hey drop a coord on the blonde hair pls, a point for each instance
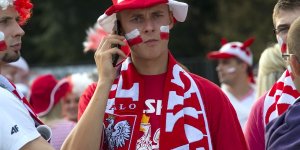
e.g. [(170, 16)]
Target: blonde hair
[(271, 67)]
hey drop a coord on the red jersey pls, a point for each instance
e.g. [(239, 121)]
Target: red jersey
[(223, 124)]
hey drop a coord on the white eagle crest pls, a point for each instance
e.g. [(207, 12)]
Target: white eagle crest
[(116, 134)]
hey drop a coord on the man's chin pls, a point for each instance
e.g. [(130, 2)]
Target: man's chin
[(9, 59)]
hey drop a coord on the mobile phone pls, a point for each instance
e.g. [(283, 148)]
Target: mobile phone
[(117, 31)]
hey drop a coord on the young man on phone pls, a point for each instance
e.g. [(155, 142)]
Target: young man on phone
[(148, 101)]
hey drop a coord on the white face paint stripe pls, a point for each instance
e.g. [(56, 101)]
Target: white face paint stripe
[(231, 70), (165, 29), (133, 34), (2, 36)]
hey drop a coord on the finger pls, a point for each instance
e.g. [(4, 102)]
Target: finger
[(116, 36), (118, 52), (108, 43)]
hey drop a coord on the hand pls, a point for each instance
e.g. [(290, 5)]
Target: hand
[(103, 57)]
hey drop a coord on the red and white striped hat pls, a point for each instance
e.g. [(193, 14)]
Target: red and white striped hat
[(108, 19)]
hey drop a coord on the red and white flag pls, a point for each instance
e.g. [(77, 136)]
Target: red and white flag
[(134, 37), (164, 32), (3, 45)]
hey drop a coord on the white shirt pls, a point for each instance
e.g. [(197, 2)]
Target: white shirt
[(17, 128), (242, 107)]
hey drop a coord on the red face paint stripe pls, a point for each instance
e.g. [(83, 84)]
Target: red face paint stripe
[(3, 46)]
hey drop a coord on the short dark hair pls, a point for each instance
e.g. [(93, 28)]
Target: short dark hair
[(286, 5), (293, 38)]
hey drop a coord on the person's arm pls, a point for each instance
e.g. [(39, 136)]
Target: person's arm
[(37, 144), (87, 133), (254, 129)]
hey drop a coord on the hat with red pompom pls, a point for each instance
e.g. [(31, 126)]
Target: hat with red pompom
[(234, 49), (238, 50), (45, 93), (107, 20)]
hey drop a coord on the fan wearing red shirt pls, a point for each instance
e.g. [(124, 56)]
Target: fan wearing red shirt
[(148, 101)]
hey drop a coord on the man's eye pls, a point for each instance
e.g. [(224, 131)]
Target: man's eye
[(283, 30), (136, 19), (158, 15)]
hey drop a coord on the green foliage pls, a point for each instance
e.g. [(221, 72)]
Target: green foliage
[(55, 33)]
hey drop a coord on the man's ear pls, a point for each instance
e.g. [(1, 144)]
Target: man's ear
[(295, 65), (171, 18)]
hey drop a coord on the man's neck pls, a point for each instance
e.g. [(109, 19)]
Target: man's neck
[(151, 67), (240, 89)]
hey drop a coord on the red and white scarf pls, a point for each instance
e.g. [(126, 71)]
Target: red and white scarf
[(184, 122), (6, 84), (280, 97)]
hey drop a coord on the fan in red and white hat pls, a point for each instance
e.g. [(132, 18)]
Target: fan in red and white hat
[(74, 84), (236, 75), (235, 50)]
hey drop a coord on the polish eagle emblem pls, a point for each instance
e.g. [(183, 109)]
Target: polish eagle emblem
[(116, 134)]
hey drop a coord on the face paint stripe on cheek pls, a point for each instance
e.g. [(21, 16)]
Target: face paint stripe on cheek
[(133, 37), (282, 44), (164, 32), (3, 45), (231, 70)]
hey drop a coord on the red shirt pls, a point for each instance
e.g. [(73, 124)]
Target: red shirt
[(223, 124)]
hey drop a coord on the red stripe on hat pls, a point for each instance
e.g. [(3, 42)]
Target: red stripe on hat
[(3, 46), (134, 37)]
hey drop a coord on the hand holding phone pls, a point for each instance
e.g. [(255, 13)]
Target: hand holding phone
[(117, 31)]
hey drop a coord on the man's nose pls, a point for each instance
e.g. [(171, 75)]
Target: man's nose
[(19, 32), (149, 26)]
